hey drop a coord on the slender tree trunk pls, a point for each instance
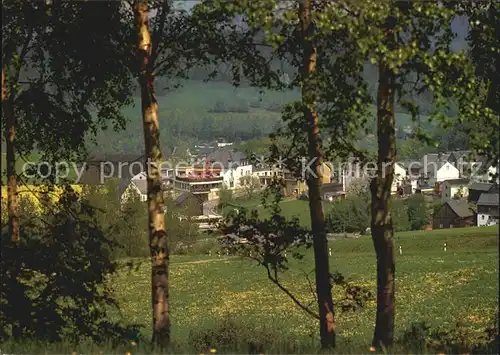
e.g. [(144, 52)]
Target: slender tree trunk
[(12, 205), (381, 222), (157, 233), (323, 285), (10, 136)]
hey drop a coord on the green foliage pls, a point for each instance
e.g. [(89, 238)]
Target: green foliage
[(234, 336), (250, 184), (433, 286), (424, 338), (482, 112), (399, 214), (54, 284), (55, 85), (131, 227), (126, 223), (351, 215), (418, 212), (412, 149), (266, 241), (182, 230), (240, 106), (225, 196)]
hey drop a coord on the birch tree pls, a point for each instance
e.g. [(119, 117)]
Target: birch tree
[(256, 35), (410, 43)]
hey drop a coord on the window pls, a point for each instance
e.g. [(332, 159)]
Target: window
[(482, 217)]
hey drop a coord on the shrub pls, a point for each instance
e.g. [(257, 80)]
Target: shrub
[(350, 215), (399, 213), (457, 340), (418, 212), (53, 283), (239, 105), (230, 336)]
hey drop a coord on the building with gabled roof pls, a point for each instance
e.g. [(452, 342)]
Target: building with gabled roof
[(453, 213), (488, 209), (476, 189)]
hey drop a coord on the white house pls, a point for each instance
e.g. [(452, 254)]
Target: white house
[(451, 189), (233, 166), (487, 209), (138, 184), (233, 175), (485, 175), (434, 168), (478, 168), (399, 177)]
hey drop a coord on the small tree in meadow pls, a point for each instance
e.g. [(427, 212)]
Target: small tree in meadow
[(418, 211), (250, 184)]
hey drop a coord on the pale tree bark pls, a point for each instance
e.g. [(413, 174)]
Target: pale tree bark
[(157, 233), (381, 221), (314, 180)]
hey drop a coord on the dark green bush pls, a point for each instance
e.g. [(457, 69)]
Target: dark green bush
[(422, 338), (54, 282), (230, 336)]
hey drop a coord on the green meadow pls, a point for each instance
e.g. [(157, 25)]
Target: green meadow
[(433, 286)]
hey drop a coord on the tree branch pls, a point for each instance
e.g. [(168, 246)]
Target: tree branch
[(311, 288), (159, 32), (285, 290)]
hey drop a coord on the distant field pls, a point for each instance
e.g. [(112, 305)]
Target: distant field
[(438, 287), (290, 208)]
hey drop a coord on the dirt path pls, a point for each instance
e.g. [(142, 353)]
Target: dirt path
[(203, 261)]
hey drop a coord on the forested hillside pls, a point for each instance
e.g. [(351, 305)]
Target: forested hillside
[(200, 111)]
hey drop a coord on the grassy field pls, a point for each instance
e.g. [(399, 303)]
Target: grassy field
[(290, 207), (441, 288)]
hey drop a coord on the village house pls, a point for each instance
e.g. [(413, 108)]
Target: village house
[(453, 214), (189, 204), (400, 177), (211, 172), (453, 189), (234, 165), (436, 168), (136, 185), (294, 185), (478, 188), (98, 168), (487, 209), (478, 168), (486, 173), (412, 170), (332, 191), (461, 157)]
